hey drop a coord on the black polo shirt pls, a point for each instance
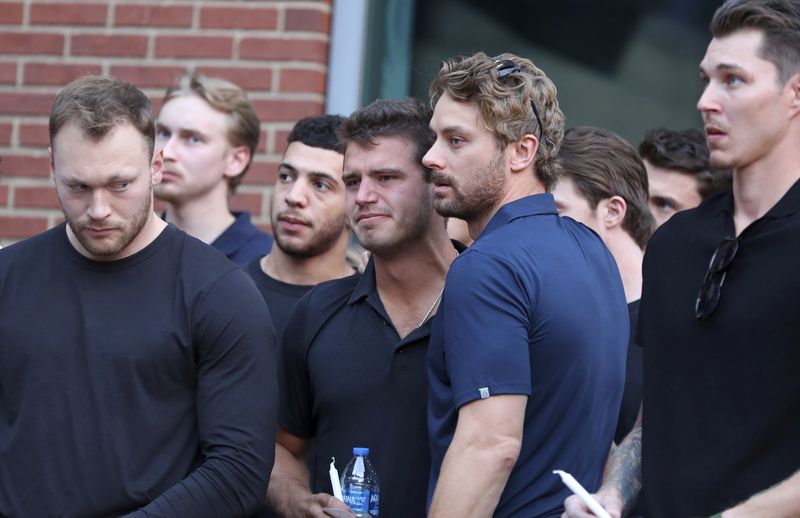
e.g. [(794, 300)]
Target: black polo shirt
[(721, 395), (347, 379)]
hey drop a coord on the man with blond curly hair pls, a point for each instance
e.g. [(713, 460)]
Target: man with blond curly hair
[(527, 353)]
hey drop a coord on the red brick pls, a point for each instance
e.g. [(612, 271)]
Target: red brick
[(3, 194), (36, 198), (262, 172), (34, 135), (286, 111), (238, 18), (11, 14), (311, 20), (194, 47), (31, 43), (262, 142), (249, 79), (153, 16), (56, 73), (280, 140), (250, 202), (25, 104), (5, 134), (102, 45), (21, 165), (68, 14), (21, 226), (8, 73), (302, 81), (264, 227), (284, 49), (144, 76)]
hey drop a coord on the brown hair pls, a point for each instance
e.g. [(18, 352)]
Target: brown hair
[(602, 165), (779, 22), (98, 104), (227, 98), (685, 152), (506, 103), (408, 119)]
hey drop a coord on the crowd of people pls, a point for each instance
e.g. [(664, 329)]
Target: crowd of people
[(593, 320)]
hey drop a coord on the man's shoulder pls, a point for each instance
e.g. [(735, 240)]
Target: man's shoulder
[(331, 293), (26, 252)]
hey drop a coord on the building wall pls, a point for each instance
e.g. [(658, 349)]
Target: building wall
[(276, 50)]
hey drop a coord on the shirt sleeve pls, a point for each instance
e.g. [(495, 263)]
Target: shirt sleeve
[(236, 406), (485, 329), (296, 398)]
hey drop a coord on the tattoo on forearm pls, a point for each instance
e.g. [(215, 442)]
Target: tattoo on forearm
[(626, 468)]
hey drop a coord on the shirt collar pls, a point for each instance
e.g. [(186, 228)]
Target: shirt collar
[(532, 205), (786, 206)]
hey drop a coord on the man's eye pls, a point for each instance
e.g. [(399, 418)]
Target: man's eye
[(284, 177), (162, 134), (120, 186), (322, 186), (193, 139), (455, 141)]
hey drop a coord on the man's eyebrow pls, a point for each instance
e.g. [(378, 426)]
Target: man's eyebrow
[(322, 175), (287, 165)]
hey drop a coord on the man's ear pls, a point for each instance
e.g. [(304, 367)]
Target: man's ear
[(523, 152), (52, 162), (615, 210), (157, 166), (793, 84), (237, 161)]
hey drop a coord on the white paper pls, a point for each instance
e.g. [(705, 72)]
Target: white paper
[(335, 484), (584, 495)]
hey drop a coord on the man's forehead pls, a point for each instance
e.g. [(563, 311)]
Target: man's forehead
[(453, 115), (739, 49), (386, 152)]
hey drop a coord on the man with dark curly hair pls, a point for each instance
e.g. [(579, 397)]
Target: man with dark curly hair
[(678, 171)]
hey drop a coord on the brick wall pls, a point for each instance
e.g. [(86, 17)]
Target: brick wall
[(276, 50)]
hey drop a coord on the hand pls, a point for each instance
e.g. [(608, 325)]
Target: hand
[(574, 507), (311, 506)]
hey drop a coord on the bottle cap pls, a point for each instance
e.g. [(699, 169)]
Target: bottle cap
[(360, 451)]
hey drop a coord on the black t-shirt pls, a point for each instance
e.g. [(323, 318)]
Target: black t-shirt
[(347, 379), (147, 382), (632, 395), (280, 297), (721, 395)]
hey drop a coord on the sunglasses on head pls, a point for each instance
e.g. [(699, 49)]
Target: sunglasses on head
[(711, 291), (504, 68)]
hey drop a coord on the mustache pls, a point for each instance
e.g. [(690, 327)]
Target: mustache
[(293, 216)]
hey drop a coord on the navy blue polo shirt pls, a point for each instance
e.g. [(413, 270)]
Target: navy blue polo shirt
[(242, 241), (536, 307)]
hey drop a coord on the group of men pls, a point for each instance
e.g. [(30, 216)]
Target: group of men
[(142, 373)]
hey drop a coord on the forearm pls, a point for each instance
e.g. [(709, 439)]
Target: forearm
[(472, 479), (288, 482), (625, 473), (782, 499)]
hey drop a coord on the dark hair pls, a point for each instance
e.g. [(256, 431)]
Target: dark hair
[(98, 104), (319, 131), (602, 165), (685, 152), (229, 99), (408, 119), (505, 104), (779, 22)]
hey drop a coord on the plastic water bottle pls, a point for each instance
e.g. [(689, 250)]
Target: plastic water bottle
[(360, 486)]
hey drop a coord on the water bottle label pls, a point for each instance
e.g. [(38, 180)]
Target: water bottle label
[(356, 498), (373, 503)]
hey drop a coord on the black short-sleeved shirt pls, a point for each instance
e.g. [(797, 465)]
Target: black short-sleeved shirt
[(721, 395), (347, 379), (280, 297), (242, 242), (634, 380)]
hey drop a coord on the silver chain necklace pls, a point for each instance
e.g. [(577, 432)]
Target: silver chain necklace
[(430, 310)]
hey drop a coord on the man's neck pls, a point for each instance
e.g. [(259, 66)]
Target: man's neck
[(759, 186), (307, 271), (205, 218), (518, 187), (628, 257), (410, 283)]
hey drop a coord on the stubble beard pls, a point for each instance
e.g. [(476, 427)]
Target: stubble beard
[(410, 229), (479, 198), (128, 230), (321, 241)]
